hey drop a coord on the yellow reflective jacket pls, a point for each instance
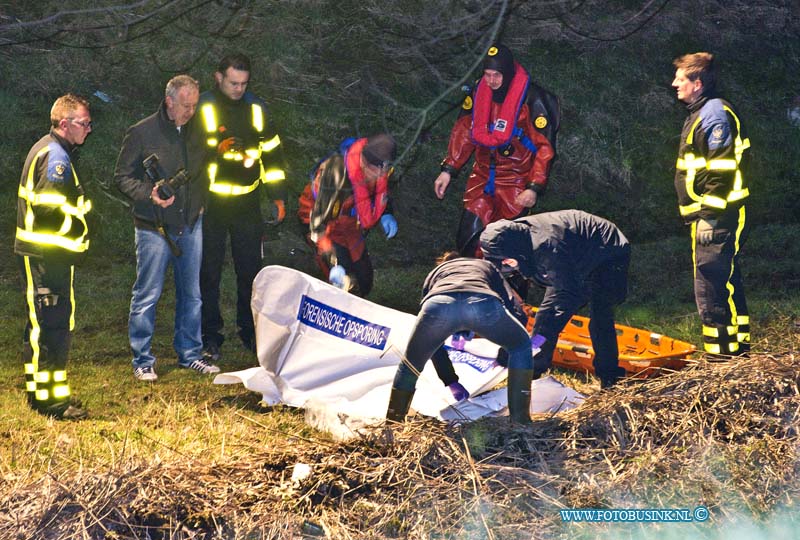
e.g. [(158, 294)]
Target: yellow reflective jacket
[(255, 159), (710, 176), (51, 206)]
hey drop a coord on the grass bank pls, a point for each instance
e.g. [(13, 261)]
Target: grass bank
[(191, 441)]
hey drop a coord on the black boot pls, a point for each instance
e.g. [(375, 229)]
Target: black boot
[(519, 395), (607, 381), (71, 409), (399, 402)]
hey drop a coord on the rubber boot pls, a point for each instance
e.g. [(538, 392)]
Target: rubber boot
[(399, 402), (519, 395)]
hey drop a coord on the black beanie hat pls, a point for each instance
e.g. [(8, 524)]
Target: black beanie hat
[(500, 58), (380, 150)]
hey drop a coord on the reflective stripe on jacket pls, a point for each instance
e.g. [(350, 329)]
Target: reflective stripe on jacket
[(239, 170), (51, 206), (712, 153)]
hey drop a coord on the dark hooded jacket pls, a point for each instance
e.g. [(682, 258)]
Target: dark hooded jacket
[(557, 250)]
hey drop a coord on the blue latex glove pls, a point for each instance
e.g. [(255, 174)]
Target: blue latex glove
[(389, 225), (460, 338), (537, 341), (459, 392), (336, 276)]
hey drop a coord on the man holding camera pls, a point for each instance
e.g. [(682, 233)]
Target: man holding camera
[(160, 169), (246, 154)]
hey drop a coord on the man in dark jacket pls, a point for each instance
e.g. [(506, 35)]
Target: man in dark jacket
[(578, 258), (168, 222), (51, 237), (246, 161), (465, 294)]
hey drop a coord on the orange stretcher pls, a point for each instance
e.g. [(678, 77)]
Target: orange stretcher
[(641, 353)]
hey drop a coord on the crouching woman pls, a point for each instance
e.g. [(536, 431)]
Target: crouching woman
[(460, 295)]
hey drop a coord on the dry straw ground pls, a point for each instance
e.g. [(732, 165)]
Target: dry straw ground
[(723, 435)]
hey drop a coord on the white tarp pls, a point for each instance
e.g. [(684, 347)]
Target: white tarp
[(335, 353)]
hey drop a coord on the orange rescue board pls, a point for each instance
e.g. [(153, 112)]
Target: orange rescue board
[(641, 353)]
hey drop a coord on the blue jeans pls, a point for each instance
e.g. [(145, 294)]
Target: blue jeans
[(152, 258), (445, 314)]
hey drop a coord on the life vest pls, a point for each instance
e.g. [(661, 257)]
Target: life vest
[(366, 206), (369, 206), (497, 133)]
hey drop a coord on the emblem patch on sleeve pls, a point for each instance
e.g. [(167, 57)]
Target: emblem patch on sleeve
[(58, 171), (540, 122), (720, 135)]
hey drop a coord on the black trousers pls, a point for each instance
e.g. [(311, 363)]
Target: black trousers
[(50, 319), (361, 272), (240, 218), (718, 288), (608, 287)]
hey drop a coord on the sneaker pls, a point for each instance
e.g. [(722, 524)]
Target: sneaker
[(202, 366), (69, 410), (145, 373), (211, 353)]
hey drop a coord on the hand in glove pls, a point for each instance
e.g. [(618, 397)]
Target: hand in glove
[(231, 144), (459, 339), (281, 209), (337, 276), (276, 213), (389, 225), (537, 340), (705, 231), (459, 392)]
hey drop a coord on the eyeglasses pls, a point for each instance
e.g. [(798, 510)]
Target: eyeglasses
[(85, 124)]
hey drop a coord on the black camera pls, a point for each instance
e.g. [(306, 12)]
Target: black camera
[(166, 187)]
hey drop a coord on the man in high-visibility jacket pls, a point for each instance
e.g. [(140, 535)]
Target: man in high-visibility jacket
[(711, 183), (246, 155), (51, 237)]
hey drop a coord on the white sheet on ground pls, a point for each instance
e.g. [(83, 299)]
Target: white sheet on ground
[(336, 354)]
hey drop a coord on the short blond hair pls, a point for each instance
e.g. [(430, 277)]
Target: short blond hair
[(175, 84), (65, 107)]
